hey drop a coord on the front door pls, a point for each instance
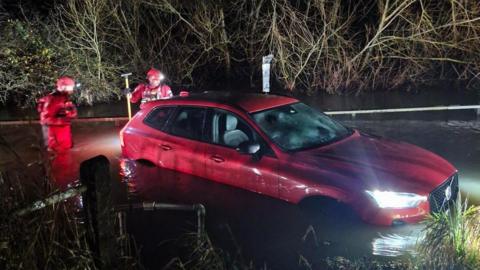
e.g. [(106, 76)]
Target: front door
[(225, 132)]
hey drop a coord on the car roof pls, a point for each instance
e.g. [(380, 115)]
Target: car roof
[(249, 102)]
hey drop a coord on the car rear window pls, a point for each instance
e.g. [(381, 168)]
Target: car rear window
[(158, 117)]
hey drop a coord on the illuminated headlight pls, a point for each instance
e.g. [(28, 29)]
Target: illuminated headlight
[(389, 199)]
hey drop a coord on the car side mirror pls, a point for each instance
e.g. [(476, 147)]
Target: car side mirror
[(248, 148)]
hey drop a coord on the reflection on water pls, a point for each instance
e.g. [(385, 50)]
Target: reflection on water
[(127, 174), (393, 245), (127, 169)]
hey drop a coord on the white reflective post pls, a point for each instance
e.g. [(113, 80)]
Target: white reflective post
[(266, 61)]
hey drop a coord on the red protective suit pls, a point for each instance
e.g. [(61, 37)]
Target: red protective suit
[(56, 112), (148, 93)]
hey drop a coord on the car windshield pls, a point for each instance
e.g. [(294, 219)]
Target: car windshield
[(298, 126)]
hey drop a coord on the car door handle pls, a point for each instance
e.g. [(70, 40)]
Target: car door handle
[(166, 147), (217, 158)]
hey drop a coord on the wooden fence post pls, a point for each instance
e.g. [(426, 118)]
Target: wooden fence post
[(99, 212)]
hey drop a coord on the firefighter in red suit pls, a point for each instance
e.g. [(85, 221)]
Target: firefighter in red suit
[(155, 89), (56, 112)]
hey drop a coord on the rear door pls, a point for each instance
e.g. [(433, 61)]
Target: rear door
[(147, 139), (225, 131), (183, 150)]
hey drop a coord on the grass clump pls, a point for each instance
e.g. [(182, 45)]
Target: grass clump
[(200, 253), (452, 239), (51, 238)]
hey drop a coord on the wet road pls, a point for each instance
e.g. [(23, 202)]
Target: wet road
[(266, 230)]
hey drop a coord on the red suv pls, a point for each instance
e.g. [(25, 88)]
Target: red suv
[(280, 147)]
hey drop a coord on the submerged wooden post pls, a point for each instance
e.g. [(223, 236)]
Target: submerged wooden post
[(98, 210)]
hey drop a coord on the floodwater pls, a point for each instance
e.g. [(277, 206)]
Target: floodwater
[(266, 230)]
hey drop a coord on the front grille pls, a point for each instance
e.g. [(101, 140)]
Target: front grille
[(438, 198)]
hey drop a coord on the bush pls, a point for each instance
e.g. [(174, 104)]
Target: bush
[(27, 59)]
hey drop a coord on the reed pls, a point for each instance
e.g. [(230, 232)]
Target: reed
[(451, 239)]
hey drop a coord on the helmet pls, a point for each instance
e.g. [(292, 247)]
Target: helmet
[(155, 73), (64, 82)]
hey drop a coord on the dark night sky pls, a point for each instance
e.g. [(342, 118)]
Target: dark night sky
[(29, 7)]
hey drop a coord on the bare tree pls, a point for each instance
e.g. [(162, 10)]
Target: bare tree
[(83, 28)]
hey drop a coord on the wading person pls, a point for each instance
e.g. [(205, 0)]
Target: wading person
[(155, 89), (56, 112)]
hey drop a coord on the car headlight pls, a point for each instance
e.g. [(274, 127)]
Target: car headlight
[(390, 199)]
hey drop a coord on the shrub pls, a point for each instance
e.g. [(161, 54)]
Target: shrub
[(27, 59)]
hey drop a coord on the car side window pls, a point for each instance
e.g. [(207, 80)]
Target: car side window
[(158, 117), (227, 129), (188, 123)]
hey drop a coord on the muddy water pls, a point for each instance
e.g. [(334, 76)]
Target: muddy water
[(266, 230)]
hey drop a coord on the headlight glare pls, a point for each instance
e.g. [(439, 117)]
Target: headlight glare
[(390, 199)]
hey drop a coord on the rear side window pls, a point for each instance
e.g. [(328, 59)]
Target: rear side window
[(188, 123), (158, 117)]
